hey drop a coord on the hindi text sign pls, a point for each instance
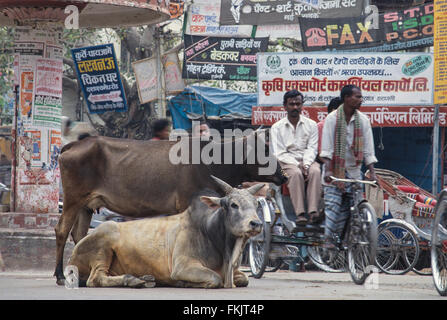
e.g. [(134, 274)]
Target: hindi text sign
[(147, 79), (393, 116), (100, 78), (221, 58), (440, 85), (398, 30), (391, 79), (255, 12)]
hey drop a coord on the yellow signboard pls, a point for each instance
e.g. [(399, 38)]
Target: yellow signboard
[(440, 46)]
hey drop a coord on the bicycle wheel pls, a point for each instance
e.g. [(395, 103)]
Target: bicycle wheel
[(423, 264), (397, 248), (336, 263), (259, 248), (273, 265), (362, 244), (439, 246)]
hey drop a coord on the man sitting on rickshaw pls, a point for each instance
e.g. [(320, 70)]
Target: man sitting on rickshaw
[(294, 140)]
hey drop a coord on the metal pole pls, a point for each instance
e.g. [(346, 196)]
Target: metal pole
[(161, 86), (435, 150)]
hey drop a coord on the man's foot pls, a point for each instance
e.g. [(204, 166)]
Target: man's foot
[(301, 220), (314, 217)]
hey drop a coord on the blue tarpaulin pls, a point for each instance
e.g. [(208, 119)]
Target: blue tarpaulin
[(214, 101)]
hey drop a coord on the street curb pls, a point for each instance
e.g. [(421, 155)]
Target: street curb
[(30, 249)]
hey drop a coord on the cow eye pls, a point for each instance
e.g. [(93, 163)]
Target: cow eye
[(234, 205)]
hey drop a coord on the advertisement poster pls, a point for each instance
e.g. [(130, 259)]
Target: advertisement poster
[(26, 80), (397, 116), (36, 145), (255, 12), (203, 20), (391, 79), (147, 79), (221, 58), (100, 79), (398, 30), (37, 42), (440, 55), (54, 52), (279, 31), (173, 75), (54, 143), (176, 8), (48, 93)]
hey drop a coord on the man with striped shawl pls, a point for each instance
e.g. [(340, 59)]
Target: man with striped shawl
[(347, 143)]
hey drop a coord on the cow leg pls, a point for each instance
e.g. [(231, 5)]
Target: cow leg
[(193, 274), (82, 225), (99, 278), (62, 229)]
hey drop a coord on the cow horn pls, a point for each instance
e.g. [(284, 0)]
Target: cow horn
[(226, 188), (255, 188)]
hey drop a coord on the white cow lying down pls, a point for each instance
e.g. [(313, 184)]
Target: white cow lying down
[(200, 247)]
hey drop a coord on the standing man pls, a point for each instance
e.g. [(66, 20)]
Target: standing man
[(347, 144), (294, 142)]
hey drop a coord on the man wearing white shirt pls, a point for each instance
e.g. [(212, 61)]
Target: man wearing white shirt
[(295, 143), (347, 143)]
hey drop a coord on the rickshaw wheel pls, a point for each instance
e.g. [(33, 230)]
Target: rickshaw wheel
[(259, 248), (397, 248), (439, 245), (337, 263), (362, 245), (258, 252)]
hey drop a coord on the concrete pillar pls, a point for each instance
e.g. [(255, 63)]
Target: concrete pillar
[(36, 175)]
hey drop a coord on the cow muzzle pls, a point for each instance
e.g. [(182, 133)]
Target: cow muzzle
[(255, 227)]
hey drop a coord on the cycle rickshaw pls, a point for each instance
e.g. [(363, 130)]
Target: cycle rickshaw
[(439, 245), (281, 239), (404, 240)]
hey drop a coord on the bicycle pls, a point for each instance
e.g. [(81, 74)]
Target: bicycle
[(356, 247)]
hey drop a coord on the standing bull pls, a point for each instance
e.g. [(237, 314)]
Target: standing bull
[(200, 247), (137, 179)]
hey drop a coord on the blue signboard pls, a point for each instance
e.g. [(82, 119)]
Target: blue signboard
[(100, 78)]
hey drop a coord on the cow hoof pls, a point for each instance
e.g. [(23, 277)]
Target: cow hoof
[(60, 281), (149, 281), (133, 282)]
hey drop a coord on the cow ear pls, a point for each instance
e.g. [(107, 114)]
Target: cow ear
[(211, 202)]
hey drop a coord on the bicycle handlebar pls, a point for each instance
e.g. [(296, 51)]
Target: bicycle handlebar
[(373, 183)]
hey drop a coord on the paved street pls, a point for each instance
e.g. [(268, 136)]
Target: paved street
[(281, 285)]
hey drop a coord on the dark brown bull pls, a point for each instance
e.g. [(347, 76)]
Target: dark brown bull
[(136, 179)]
